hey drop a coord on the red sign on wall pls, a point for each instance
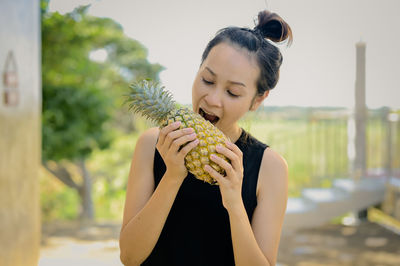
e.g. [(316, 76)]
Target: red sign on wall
[(10, 81)]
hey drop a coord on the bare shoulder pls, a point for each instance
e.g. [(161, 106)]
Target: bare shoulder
[(149, 136), (143, 156), (273, 159), (273, 174), (146, 143)]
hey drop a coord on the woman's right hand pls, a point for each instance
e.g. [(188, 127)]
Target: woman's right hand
[(170, 139)]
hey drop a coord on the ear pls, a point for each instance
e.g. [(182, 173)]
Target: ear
[(258, 100)]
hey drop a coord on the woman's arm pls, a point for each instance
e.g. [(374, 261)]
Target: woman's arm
[(266, 224), (272, 195), (256, 243), (145, 212)]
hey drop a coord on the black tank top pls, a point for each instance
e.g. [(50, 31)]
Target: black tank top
[(197, 229)]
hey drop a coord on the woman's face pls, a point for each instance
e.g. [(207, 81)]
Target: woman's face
[(225, 86)]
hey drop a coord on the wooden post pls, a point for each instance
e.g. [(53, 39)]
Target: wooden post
[(391, 203), (360, 119), (391, 119), (360, 164), (388, 142)]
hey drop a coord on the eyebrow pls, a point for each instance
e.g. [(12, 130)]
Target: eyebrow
[(232, 82)]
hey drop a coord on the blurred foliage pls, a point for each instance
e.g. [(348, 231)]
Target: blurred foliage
[(110, 170), (83, 99), (74, 122), (57, 201)]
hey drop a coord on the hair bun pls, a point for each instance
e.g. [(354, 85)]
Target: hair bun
[(273, 27)]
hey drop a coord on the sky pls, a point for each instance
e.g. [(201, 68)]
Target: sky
[(317, 70)]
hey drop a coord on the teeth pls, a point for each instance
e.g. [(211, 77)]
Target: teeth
[(207, 112), (208, 116)]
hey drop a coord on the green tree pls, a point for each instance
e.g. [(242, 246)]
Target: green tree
[(82, 103)]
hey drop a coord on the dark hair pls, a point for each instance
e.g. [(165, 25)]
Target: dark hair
[(270, 26)]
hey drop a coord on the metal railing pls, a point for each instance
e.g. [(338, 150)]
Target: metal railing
[(319, 145)]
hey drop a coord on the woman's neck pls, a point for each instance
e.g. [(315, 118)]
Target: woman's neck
[(233, 133)]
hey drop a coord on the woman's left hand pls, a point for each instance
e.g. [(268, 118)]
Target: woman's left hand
[(231, 184)]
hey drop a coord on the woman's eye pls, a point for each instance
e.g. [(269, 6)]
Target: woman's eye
[(232, 94), (207, 82)]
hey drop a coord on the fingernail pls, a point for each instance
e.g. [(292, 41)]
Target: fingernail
[(192, 135), (177, 123), (213, 156), (196, 141)]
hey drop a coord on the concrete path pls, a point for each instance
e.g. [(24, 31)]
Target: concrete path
[(366, 244), (68, 243)]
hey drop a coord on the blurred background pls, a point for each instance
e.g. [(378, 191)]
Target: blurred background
[(66, 137)]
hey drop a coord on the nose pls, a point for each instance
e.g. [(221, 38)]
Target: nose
[(214, 98)]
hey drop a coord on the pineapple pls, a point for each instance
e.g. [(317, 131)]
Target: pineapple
[(151, 100)]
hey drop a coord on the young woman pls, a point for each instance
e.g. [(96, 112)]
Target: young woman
[(172, 218)]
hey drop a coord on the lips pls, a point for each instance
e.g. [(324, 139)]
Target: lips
[(208, 116)]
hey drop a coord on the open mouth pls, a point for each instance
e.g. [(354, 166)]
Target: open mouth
[(210, 117)]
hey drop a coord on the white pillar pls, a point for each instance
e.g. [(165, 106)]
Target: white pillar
[(20, 138)]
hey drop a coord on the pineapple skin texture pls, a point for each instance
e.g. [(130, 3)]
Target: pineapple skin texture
[(209, 137)]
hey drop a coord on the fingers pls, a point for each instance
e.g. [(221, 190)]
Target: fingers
[(177, 138), (170, 133), (234, 148), (220, 179), (166, 130), (233, 153), (181, 140), (224, 164), (188, 147)]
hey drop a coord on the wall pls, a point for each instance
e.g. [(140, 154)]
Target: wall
[(20, 132)]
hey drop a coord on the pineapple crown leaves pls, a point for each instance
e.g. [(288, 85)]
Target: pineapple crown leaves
[(151, 100)]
